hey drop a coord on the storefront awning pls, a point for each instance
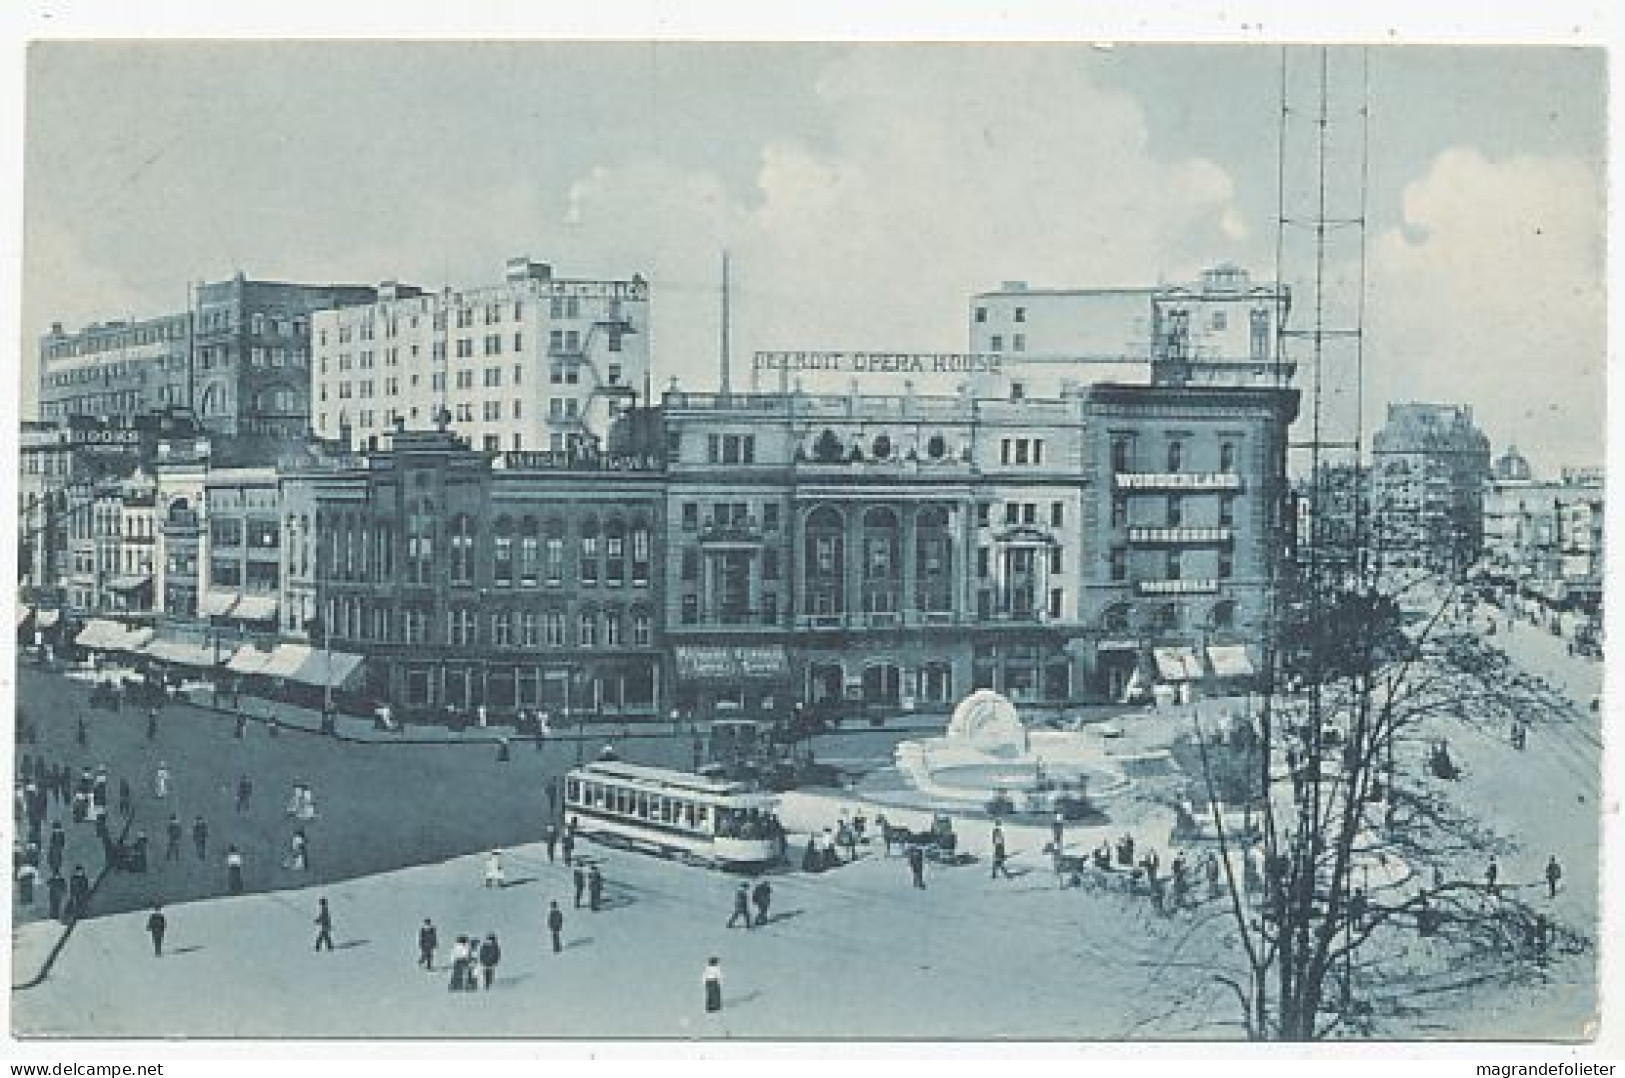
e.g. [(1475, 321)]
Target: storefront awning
[(216, 604), (23, 614), (1177, 664), (761, 663), (256, 608), (323, 669), (285, 661), (100, 635), (249, 660), (130, 582), (45, 619), (181, 653), (1230, 661)]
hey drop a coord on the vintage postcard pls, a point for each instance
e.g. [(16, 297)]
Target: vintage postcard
[(783, 541)]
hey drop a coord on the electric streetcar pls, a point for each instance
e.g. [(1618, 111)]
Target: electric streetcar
[(674, 813)]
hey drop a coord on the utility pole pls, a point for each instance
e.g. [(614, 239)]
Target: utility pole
[(725, 388)]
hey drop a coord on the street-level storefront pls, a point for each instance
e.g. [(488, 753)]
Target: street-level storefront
[(620, 685), (748, 680), (879, 674)]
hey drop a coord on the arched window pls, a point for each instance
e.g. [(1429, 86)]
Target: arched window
[(933, 560), (882, 560), (824, 564), (827, 449)]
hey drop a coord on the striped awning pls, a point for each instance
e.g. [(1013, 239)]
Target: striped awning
[(181, 653)]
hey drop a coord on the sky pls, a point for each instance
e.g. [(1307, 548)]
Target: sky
[(864, 191)]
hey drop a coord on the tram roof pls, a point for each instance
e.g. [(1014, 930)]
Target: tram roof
[(662, 776)]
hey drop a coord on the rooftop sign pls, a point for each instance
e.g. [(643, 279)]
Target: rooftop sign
[(880, 362)]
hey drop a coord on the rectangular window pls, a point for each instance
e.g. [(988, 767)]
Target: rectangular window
[(691, 516), (981, 314), (1018, 342), (983, 558), (1056, 598), (1227, 564), (1057, 514), (996, 342), (1176, 511), (1119, 563), (1174, 565), (1119, 510), (1227, 510)]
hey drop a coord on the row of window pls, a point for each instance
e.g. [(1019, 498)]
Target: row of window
[(353, 619), (1173, 564), (1174, 515), (1126, 456)]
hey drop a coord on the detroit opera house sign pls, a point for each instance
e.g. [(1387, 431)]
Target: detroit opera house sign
[(899, 363)]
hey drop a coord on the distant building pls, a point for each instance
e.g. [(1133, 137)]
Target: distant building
[(1219, 329), (239, 360), (1429, 464), (533, 363), (1545, 537)]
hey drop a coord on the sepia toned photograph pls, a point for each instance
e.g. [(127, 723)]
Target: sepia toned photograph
[(787, 541)]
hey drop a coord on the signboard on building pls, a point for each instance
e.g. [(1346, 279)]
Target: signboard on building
[(580, 459), (892, 363)]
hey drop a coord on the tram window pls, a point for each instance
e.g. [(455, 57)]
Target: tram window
[(643, 806), (572, 790), (668, 811), (688, 815), (598, 796), (702, 818)]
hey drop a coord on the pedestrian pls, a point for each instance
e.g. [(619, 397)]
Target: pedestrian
[(78, 893), (552, 796), (713, 985), (241, 728), (125, 808), (595, 888), (569, 843), (56, 890), (245, 790), (550, 835), (160, 781), (152, 723), (459, 965), (234, 870), (555, 926), (493, 869), (1554, 872), (200, 837), (490, 955), (1057, 832), (324, 925), (156, 923), (1491, 874), (1000, 857), (55, 845), (299, 851), (428, 940), (81, 734), (173, 831), (741, 906), (916, 866), (580, 881), (762, 895)]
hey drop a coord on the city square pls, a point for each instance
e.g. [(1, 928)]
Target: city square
[(944, 564)]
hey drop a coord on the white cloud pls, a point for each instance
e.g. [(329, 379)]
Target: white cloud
[(949, 170), (1492, 292)]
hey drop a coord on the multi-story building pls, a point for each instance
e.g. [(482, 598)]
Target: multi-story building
[(525, 579), (130, 581), (533, 363), (181, 470), (239, 359), (1221, 328), (903, 550), (1185, 528), (47, 461), (115, 370), (239, 551), (1546, 536), (1429, 464), (252, 358)]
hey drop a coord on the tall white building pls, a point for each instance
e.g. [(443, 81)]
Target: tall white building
[(1217, 330), (535, 362)]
